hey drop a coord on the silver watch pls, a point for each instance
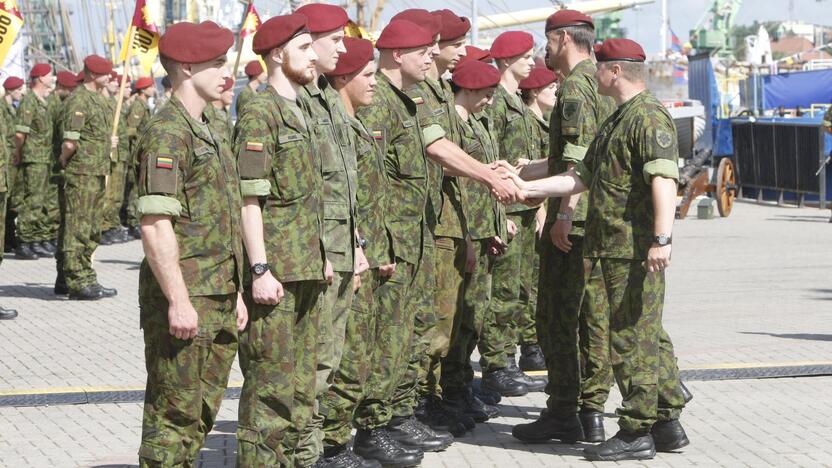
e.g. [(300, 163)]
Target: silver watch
[(662, 239), (564, 217)]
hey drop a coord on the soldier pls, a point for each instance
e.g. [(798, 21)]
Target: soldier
[(283, 233), (13, 86), (112, 231), (137, 115), (166, 93), (190, 281), (33, 153), (5, 314), (512, 276), (579, 382), (256, 77), (85, 158), (630, 170), (217, 112)]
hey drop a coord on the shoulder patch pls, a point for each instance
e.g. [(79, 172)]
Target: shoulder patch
[(570, 108), (664, 138)]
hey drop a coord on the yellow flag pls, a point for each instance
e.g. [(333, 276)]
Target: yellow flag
[(146, 36), (10, 23)]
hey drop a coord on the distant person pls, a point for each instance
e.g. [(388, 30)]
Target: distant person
[(256, 77), (5, 314), (827, 120)]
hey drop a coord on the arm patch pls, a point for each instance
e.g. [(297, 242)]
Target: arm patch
[(571, 116), (253, 161), (162, 174)]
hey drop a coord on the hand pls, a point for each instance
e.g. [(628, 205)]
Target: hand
[(114, 142), (497, 246), (522, 162), (560, 234), (504, 165), (356, 282), (470, 257), (658, 258), (242, 312), (511, 229), (329, 273), (182, 319), (16, 159), (539, 222), (504, 190), (267, 290), (361, 263), (387, 271)]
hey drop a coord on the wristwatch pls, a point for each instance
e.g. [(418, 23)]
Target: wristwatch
[(259, 268), (361, 243), (662, 240), (564, 217)]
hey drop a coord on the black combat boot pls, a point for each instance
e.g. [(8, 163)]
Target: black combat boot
[(463, 401), (24, 252), (40, 251), (61, 288), (502, 382), (47, 245), (623, 446), (688, 396), (87, 293), (669, 435), (135, 232), (486, 396), (533, 384), (376, 444), (411, 433), (548, 427), (7, 314), (105, 292), (432, 412), (342, 457), (531, 358), (592, 423)]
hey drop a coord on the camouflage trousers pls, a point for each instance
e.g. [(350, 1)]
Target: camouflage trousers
[(336, 303), (348, 386), (33, 220), (450, 273), (457, 372), (81, 223), (388, 361), (3, 201), (510, 298), (131, 197), (14, 185), (186, 379), (53, 203), (573, 326), (525, 327), (114, 196), (641, 352), (277, 351)]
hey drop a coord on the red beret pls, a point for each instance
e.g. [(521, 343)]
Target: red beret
[(564, 18), (98, 65), (195, 43), (322, 17), (277, 31), (40, 69), (475, 75), (143, 82), (254, 68), (12, 83), (453, 26), (429, 22), (67, 79), (511, 44), (596, 48), (476, 54), (229, 83), (620, 50), (538, 78), (81, 76), (403, 34), (359, 53)]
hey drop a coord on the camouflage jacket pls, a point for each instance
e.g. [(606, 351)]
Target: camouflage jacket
[(34, 119), (476, 139), (393, 123), (56, 105), (187, 174), (512, 124), (371, 197), (122, 153), (576, 118), (86, 121), (243, 98), (220, 123), (137, 115), (5, 156), (635, 143), (332, 138), (279, 164), (540, 134), (9, 115)]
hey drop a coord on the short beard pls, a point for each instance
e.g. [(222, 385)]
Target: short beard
[(299, 76)]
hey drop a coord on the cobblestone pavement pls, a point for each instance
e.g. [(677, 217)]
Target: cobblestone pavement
[(748, 290)]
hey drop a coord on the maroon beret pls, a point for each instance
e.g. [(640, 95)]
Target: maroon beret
[(564, 18), (277, 31), (538, 78), (12, 83), (98, 65), (511, 44), (453, 26), (620, 50), (229, 83), (429, 22), (322, 17), (403, 34), (359, 53), (475, 75), (40, 69), (475, 54), (67, 79), (81, 76), (143, 82), (195, 43), (596, 48), (254, 68)]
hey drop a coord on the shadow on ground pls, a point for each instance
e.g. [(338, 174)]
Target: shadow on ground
[(795, 336), (31, 291)]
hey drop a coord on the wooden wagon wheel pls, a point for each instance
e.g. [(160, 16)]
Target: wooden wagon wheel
[(726, 187)]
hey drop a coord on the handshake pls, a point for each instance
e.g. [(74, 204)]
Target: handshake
[(507, 184)]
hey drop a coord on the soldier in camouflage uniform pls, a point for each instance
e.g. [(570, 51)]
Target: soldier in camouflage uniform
[(66, 84), (5, 314), (14, 89), (111, 228), (217, 113), (191, 278), (137, 115), (631, 170), (283, 234), (256, 77), (33, 141)]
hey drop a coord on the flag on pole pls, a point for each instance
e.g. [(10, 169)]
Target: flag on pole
[(675, 43), (145, 35), (251, 23), (10, 23)]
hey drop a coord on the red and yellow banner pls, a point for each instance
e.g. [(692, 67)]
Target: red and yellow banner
[(145, 35), (251, 23), (10, 23)]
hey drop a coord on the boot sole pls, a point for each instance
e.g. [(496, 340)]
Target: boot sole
[(565, 438), (641, 455), (676, 445), (508, 394)]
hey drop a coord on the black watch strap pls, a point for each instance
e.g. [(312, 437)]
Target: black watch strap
[(259, 268)]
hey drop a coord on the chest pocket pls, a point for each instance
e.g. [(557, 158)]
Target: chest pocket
[(407, 153), (292, 167), (205, 171), (476, 151), (326, 141), (612, 155)]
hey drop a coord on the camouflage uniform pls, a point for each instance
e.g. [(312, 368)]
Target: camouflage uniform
[(476, 139), (86, 122), (392, 121), (278, 353), (512, 124), (9, 113), (118, 172), (220, 122), (137, 115), (243, 98), (579, 371), (4, 186), (186, 173), (362, 338), (34, 121), (53, 206), (636, 143)]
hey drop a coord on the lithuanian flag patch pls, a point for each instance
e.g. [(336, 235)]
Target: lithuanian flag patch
[(418, 100), (164, 162), (254, 146), (377, 134)]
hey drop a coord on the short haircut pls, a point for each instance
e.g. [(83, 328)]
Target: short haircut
[(169, 65), (635, 72), (582, 35), (527, 96)]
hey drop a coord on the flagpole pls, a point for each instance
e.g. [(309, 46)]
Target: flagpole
[(120, 98), (240, 41)]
